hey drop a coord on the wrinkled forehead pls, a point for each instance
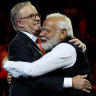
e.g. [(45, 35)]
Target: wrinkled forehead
[(49, 23), (52, 22), (26, 10)]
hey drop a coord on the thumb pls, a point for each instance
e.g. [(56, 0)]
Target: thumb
[(83, 76), (5, 59), (73, 37)]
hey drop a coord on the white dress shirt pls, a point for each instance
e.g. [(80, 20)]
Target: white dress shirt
[(33, 37), (61, 56)]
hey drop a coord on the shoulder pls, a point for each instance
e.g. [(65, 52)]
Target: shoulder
[(64, 49), (64, 46), (19, 39)]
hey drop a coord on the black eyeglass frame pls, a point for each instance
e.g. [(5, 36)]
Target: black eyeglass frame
[(32, 16)]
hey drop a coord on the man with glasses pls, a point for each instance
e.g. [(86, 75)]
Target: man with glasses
[(32, 16), (26, 21)]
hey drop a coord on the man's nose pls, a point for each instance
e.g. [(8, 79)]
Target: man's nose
[(42, 33), (37, 18)]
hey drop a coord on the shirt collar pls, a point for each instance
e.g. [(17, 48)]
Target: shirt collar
[(33, 37)]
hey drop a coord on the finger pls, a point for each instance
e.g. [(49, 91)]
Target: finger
[(87, 87), (87, 83), (83, 76), (73, 37), (88, 91), (73, 40), (9, 82), (9, 77), (5, 59), (82, 47), (9, 74), (78, 43)]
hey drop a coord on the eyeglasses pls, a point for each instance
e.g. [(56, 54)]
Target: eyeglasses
[(45, 29), (31, 16)]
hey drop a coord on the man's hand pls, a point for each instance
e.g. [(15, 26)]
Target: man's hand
[(78, 43), (9, 78), (79, 82), (5, 59)]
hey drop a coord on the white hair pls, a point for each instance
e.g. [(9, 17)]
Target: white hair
[(64, 24), (14, 14)]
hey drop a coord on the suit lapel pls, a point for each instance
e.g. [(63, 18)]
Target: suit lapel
[(31, 45)]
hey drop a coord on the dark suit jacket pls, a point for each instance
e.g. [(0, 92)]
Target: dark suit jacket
[(22, 48)]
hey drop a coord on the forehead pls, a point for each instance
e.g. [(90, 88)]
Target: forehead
[(50, 22), (28, 9)]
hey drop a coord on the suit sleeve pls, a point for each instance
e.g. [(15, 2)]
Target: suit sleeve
[(50, 82)]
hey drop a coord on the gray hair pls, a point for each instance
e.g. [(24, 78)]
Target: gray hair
[(64, 24), (14, 14)]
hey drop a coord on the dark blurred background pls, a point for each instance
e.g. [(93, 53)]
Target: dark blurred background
[(81, 12)]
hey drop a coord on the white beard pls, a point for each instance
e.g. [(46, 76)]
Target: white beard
[(50, 43)]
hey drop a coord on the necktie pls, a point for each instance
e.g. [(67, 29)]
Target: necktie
[(39, 42)]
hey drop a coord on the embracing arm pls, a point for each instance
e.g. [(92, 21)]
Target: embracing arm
[(41, 67), (78, 82), (44, 82), (78, 43), (55, 83), (62, 56)]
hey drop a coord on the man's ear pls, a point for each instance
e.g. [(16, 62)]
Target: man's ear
[(63, 34), (19, 23)]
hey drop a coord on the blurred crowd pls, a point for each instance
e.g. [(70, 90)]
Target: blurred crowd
[(83, 21)]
